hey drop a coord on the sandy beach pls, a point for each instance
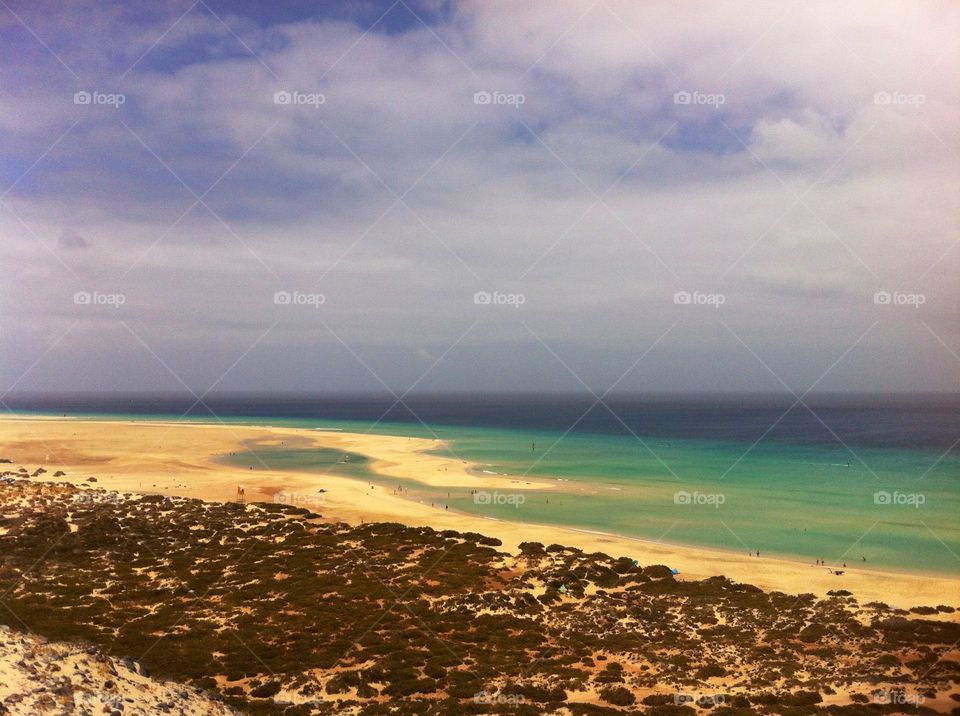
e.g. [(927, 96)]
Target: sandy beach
[(182, 459)]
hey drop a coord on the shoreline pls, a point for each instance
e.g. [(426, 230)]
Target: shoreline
[(176, 458), (680, 546)]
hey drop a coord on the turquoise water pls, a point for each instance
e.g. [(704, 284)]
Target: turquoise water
[(896, 507)]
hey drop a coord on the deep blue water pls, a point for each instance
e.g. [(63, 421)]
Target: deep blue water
[(918, 421)]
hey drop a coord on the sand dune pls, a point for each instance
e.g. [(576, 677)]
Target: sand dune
[(42, 676)]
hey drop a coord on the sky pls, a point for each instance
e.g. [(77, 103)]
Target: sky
[(432, 196)]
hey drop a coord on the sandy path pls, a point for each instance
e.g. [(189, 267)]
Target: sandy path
[(179, 459)]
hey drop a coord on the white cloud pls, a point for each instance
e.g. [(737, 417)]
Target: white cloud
[(299, 209)]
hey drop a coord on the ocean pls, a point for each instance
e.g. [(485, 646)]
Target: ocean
[(838, 478)]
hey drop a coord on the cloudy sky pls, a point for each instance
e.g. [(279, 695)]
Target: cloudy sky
[(436, 196)]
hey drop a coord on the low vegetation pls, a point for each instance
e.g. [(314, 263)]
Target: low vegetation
[(279, 610)]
